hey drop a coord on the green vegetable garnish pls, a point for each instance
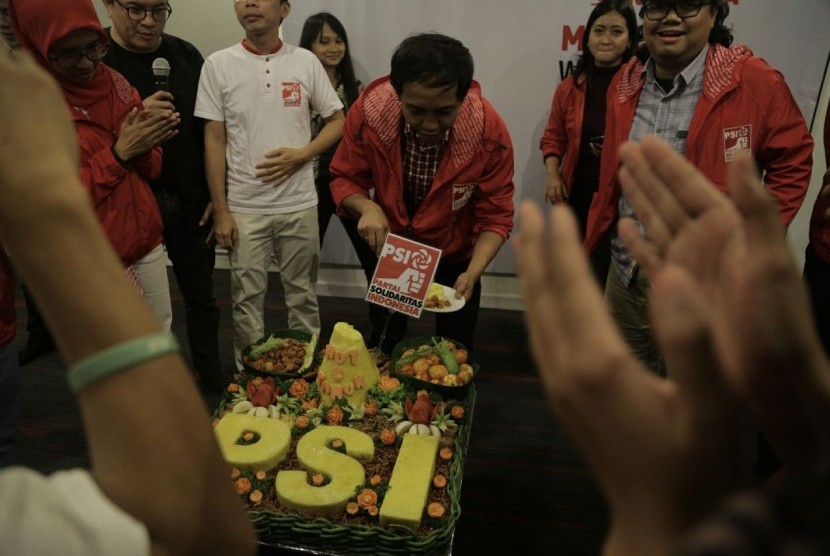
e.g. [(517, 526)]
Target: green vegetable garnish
[(271, 343), (444, 351), (309, 351), (420, 352)]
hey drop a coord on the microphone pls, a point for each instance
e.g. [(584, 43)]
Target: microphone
[(161, 69)]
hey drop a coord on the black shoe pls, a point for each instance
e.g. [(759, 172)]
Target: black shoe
[(33, 350)]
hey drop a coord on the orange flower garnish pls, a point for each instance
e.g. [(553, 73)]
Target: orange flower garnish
[(457, 412), (387, 436), (367, 498), (335, 415), (445, 453), (255, 497), (375, 480), (235, 472), (389, 383), (301, 422), (352, 508), (298, 388), (317, 479), (233, 388), (373, 510), (439, 481), (248, 436), (243, 485), (310, 404), (336, 443), (371, 408), (261, 475), (435, 510)]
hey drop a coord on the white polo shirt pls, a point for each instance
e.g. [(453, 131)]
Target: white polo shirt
[(64, 513), (265, 101)]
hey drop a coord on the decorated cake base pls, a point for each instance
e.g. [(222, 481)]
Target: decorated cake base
[(354, 462)]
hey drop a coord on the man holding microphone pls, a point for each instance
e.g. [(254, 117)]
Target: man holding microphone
[(165, 70)]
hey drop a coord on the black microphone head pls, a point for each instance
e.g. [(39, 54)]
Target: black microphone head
[(161, 67)]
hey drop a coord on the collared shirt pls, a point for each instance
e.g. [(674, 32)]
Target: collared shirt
[(420, 164), (668, 115)]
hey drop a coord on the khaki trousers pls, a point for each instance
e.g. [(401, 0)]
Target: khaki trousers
[(291, 241)]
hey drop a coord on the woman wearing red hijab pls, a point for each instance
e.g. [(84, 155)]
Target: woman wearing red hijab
[(119, 141)]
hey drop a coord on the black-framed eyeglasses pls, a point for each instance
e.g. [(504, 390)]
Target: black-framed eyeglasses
[(657, 10), (137, 13), (69, 59)]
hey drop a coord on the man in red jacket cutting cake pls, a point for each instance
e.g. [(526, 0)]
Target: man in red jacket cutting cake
[(440, 161)]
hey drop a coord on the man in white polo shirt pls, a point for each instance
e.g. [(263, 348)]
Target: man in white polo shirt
[(258, 151)]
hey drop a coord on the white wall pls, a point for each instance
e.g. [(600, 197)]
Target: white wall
[(518, 47)]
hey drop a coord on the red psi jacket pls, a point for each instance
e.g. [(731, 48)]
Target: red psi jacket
[(473, 188), (121, 196), (563, 133), (745, 106)]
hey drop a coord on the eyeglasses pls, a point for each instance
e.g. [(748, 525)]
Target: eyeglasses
[(658, 10), (137, 13), (69, 59)]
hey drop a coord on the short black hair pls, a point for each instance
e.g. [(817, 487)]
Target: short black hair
[(432, 60), (721, 33), (313, 30), (586, 63)]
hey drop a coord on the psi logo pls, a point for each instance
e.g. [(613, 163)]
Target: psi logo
[(461, 194), (291, 95), (405, 269), (736, 140)]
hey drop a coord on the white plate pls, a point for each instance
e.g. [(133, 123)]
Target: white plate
[(455, 304)]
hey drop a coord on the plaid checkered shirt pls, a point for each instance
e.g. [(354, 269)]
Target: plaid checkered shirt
[(669, 116), (420, 164)]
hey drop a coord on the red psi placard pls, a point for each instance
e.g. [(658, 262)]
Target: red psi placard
[(403, 275)]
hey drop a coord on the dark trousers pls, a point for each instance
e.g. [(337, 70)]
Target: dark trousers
[(817, 277), (10, 400), (35, 325), (459, 325), (325, 210), (600, 259), (193, 262)]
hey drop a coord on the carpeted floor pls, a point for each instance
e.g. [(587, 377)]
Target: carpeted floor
[(525, 491)]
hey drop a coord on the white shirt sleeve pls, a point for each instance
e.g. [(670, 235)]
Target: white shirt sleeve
[(209, 104), (64, 514)]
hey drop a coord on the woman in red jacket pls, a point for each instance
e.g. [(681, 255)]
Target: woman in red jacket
[(118, 140), (572, 141)]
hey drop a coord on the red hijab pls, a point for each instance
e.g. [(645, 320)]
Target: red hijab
[(39, 24)]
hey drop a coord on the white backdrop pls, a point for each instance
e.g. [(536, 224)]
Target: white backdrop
[(518, 47)]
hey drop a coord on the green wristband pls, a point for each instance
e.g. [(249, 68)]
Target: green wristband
[(120, 357)]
